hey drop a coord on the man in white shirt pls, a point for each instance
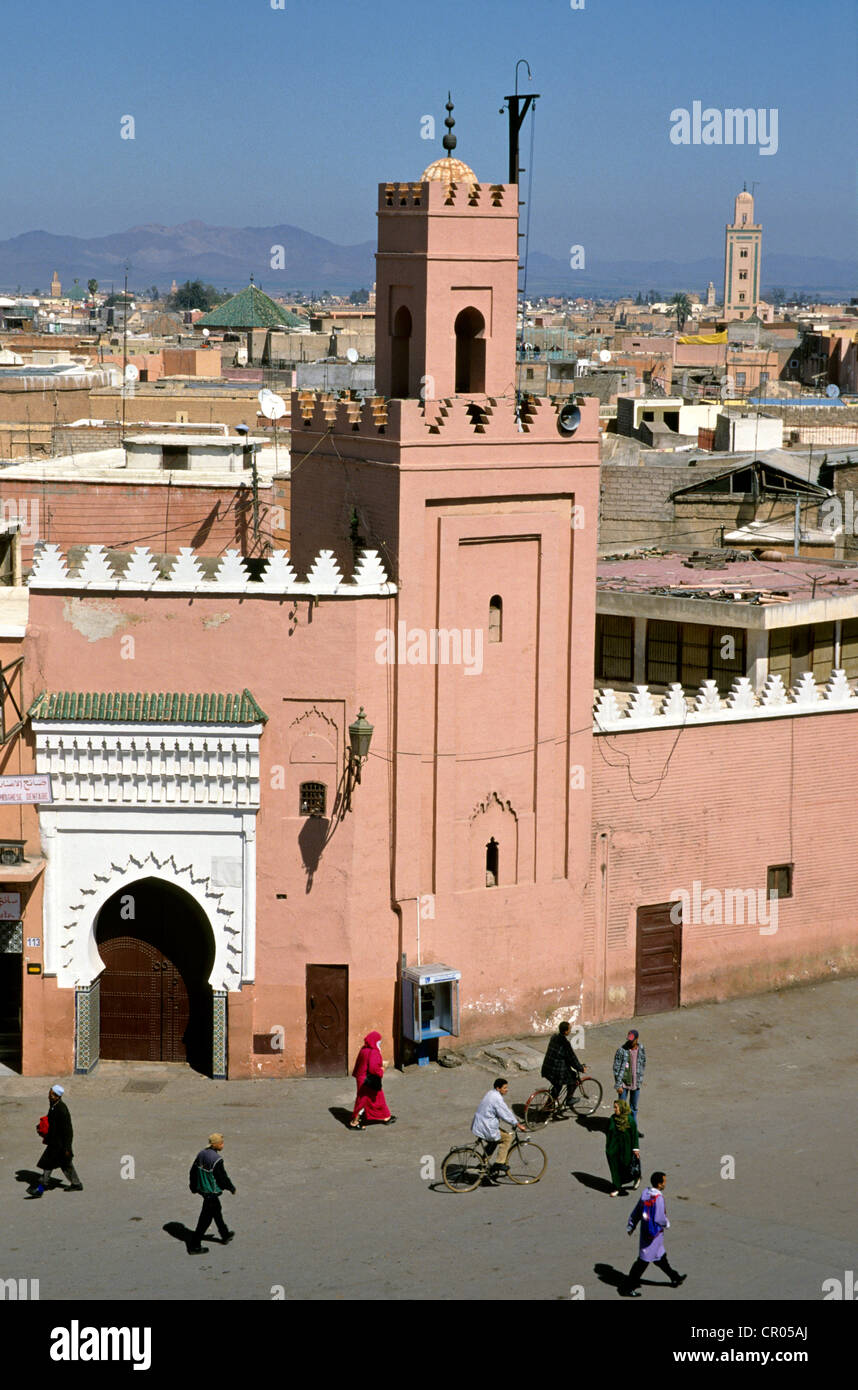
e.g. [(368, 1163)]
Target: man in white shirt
[(485, 1124)]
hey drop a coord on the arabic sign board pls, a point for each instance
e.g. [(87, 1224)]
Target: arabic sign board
[(26, 791), (10, 907)]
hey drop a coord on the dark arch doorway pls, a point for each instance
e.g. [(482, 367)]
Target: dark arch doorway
[(470, 351), (155, 999), (400, 358)]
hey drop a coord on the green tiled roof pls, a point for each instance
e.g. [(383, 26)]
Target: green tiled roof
[(248, 309), (144, 707)]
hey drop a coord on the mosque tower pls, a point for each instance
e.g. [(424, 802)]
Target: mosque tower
[(742, 260)]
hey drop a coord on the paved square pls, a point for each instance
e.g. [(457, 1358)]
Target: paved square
[(328, 1214)]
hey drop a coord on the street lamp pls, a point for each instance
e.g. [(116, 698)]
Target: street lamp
[(360, 737)]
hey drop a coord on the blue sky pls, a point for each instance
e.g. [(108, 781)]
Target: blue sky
[(247, 115)]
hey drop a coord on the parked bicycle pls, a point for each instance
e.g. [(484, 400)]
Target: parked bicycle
[(584, 1098), (465, 1168)]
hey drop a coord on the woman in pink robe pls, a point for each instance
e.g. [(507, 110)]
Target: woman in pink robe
[(368, 1072)]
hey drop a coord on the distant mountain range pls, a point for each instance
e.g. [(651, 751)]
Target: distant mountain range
[(227, 256)]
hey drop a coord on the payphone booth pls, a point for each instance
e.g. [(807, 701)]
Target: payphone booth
[(430, 1007)]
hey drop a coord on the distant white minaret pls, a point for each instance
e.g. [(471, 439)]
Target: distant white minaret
[(710, 295)]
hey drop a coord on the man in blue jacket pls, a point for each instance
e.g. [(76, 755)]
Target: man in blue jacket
[(208, 1178), (650, 1212)]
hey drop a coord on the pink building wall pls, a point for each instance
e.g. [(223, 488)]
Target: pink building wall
[(719, 806)]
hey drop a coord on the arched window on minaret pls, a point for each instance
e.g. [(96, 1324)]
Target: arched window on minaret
[(496, 618), (400, 355), (470, 351), (492, 849)]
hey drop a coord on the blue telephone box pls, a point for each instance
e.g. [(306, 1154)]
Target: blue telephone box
[(430, 1005)]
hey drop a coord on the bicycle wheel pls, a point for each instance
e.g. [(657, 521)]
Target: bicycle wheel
[(587, 1097), (538, 1109), (527, 1162), (463, 1169)]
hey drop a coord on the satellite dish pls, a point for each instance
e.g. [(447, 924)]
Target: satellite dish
[(352, 354), (132, 373), (263, 395), (569, 419), (206, 332), (832, 391), (273, 407), (604, 355)]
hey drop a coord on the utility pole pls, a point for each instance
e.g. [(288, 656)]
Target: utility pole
[(124, 348)]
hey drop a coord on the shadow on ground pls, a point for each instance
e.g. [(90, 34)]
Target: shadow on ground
[(596, 1183)]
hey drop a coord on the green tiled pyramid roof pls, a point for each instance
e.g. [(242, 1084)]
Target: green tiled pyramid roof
[(250, 308), (137, 707)]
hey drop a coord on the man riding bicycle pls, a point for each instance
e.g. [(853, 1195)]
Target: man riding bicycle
[(561, 1067), (485, 1125)]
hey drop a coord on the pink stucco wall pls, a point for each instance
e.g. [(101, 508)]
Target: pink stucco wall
[(719, 804)]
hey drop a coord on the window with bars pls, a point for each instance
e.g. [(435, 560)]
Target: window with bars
[(793, 651), (615, 640), (312, 799), (779, 881), (692, 653)]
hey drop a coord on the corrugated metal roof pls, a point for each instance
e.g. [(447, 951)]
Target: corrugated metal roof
[(145, 707)]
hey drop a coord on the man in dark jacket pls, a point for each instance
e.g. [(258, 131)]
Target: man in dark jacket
[(208, 1178), (58, 1145), (561, 1067)]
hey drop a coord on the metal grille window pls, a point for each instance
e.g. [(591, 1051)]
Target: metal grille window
[(691, 653), (795, 650), (779, 880), (312, 801), (614, 647)]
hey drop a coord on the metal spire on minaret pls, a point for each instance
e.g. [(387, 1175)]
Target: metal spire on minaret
[(449, 141)]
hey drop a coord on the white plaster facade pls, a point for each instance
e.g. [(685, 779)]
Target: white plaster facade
[(176, 802)]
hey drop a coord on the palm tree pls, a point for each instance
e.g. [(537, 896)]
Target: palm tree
[(682, 308)]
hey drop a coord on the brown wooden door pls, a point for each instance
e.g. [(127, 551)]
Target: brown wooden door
[(144, 1003), (659, 958), (327, 1020)]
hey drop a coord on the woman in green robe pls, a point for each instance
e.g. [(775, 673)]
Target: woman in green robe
[(621, 1142)]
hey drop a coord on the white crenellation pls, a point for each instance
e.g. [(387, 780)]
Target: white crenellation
[(774, 693), (708, 707), (233, 570), (141, 572), (642, 704), (232, 576), (608, 712)]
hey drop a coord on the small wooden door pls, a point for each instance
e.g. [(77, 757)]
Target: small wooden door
[(659, 958), (144, 1004), (327, 1020)]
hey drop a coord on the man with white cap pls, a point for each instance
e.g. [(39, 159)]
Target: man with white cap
[(58, 1145)]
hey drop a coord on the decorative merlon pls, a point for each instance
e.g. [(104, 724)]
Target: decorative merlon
[(99, 573), (623, 712)]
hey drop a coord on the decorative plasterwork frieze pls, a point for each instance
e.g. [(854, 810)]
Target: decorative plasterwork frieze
[(167, 765)]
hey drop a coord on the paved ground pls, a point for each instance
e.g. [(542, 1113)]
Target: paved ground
[(328, 1214)]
